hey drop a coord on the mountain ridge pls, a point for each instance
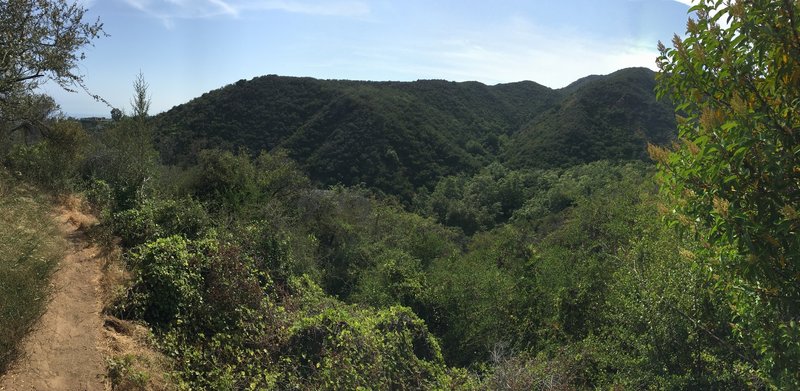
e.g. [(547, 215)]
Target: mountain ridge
[(399, 136)]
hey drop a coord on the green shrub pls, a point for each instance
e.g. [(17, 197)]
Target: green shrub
[(124, 376), (100, 195), (241, 185), (52, 163), (228, 180), (237, 359), (541, 372), (226, 326), (123, 157), (344, 349), (155, 218), (479, 202), (278, 247), (396, 278), (470, 305), (166, 288)]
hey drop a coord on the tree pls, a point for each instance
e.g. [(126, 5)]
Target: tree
[(28, 118), (116, 114), (124, 155), (33, 110), (41, 39), (734, 178), (140, 102)]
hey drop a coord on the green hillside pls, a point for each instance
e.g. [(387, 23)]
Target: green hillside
[(399, 136), (609, 117)]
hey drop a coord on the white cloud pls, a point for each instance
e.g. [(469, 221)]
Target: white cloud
[(517, 51), (687, 2), (327, 8), (552, 65), (181, 9), (168, 10), (224, 7)]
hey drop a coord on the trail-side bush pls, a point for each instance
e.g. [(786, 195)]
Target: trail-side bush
[(222, 361), (53, 162), (166, 288), (202, 284), (216, 314), (233, 288), (229, 326), (275, 245), (345, 349), (100, 196), (155, 218), (123, 157), (231, 344)]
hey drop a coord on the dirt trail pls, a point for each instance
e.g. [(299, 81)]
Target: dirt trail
[(66, 349)]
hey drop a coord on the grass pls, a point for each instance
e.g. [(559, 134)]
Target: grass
[(30, 247)]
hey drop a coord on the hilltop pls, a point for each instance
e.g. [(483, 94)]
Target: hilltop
[(399, 136)]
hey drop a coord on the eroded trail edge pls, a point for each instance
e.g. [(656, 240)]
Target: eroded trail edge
[(65, 350)]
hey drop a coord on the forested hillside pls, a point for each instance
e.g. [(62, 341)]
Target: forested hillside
[(300, 234), (397, 136), (608, 117)]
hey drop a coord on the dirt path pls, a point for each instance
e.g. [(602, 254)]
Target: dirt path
[(65, 351)]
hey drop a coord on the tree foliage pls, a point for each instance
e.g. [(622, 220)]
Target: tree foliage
[(140, 103), (734, 177), (41, 39)]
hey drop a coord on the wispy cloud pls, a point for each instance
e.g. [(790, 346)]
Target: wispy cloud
[(517, 51), (326, 8), (169, 10)]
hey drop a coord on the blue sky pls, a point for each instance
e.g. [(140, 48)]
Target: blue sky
[(187, 47)]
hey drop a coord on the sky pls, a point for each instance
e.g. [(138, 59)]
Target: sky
[(185, 48)]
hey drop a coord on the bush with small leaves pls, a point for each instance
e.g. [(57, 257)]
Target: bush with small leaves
[(154, 218)]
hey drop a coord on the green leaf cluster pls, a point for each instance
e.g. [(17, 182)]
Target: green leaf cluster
[(734, 176)]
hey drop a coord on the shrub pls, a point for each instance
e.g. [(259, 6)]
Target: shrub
[(155, 218), (166, 288), (225, 325), (396, 278), (123, 156), (52, 163), (346, 349)]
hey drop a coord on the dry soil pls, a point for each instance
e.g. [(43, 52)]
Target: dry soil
[(65, 351)]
